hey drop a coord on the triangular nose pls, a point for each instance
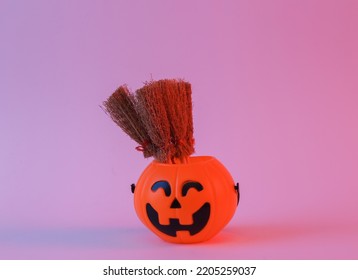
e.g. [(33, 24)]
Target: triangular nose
[(175, 204)]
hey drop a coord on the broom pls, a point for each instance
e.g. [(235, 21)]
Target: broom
[(158, 117), (177, 100), (151, 108), (120, 106)]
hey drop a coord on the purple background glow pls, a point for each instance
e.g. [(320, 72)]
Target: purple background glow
[(275, 94)]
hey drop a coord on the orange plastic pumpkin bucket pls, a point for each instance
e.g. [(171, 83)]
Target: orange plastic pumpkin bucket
[(186, 203)]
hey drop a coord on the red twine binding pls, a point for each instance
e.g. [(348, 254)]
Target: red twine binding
[(143, 147)]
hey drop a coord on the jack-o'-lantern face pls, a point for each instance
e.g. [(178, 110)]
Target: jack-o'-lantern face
[(198, 220), (186, 203)]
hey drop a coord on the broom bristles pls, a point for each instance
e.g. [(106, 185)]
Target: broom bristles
[(158, 117), (152, 110), (175, 98), (121, 108)]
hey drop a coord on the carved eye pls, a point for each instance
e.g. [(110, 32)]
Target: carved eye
[(162, 185), (188, 185)]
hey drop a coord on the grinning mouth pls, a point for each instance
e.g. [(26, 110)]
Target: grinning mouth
[(200, 219)]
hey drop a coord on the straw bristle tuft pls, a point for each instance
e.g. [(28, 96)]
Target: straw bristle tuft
[(152, 110), (121, 108), (176, 97), (158, 117)]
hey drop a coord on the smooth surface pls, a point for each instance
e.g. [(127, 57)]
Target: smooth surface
[(275, 100), (191, 216)]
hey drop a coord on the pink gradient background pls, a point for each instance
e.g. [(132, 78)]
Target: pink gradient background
[(275, 92)]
